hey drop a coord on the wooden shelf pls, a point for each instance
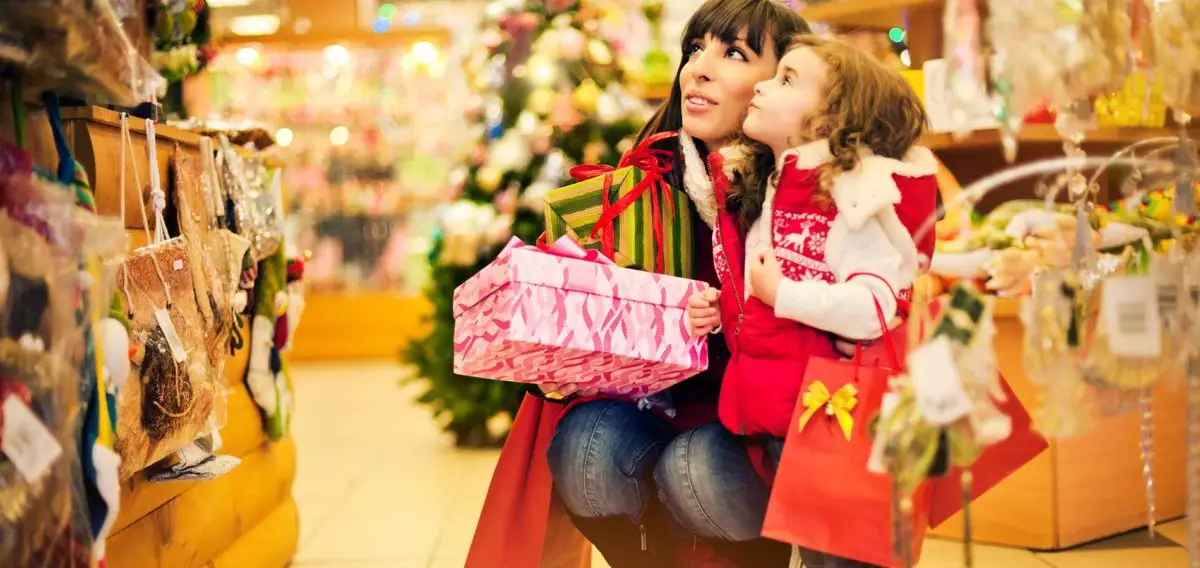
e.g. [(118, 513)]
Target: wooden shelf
[(881, 14), (1043, 134)]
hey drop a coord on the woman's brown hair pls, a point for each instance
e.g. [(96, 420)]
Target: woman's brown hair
[(865, 105)]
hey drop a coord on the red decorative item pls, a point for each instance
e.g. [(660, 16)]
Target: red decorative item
[(1041, 115), (654, 163)]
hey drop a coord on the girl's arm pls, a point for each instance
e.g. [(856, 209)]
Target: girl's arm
[(867, 267)]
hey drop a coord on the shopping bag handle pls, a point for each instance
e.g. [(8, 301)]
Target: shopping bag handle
[(889, 344)]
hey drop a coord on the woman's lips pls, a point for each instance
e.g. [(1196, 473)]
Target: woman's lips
[(696, 103)]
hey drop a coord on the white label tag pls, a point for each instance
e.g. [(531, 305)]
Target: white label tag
[(1129, 306), (178, 352), (940, 394), (29, 445), (875, 463), (178, 264)]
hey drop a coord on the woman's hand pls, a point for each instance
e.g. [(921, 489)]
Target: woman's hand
[(765, 276), (555, 391), (704, 314), (846, 348)]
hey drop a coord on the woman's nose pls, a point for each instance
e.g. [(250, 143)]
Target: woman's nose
[(701, 67)]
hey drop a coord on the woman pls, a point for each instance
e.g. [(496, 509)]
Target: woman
[(670, 486)]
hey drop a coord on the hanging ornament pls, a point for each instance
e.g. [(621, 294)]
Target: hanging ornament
[(488, 178), (598, 52), (1052, 320), (586, 96), (540, 101)]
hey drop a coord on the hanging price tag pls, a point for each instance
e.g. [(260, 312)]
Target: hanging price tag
[(27, 443), (1129, 306), (941, 397), (178, 351)]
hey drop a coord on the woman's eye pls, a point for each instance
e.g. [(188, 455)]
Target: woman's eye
[(695, 49), (735, 53), (785, 81)]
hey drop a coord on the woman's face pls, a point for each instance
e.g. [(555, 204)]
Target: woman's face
[(717, 82)]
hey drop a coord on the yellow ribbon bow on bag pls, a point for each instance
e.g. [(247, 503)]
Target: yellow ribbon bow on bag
[(837, 405)]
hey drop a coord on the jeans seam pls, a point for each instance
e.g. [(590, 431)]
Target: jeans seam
[(589, 459), (691, 488)]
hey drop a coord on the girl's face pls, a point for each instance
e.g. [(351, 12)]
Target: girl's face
[(717, 82), (783, 111)]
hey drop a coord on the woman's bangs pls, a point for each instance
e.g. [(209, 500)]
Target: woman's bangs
[(725, 19)]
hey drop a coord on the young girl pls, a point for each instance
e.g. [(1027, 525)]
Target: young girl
[(825, 238)]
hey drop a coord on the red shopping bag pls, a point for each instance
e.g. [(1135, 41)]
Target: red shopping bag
[(523, 524), (824, 498)]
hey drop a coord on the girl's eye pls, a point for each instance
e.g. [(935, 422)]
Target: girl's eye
[(735, 53), (786, 81), (695, 49)]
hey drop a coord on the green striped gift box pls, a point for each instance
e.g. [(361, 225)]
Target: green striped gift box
[(574, 210)]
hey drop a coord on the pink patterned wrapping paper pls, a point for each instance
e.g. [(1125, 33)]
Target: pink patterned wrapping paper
[(567, 315)]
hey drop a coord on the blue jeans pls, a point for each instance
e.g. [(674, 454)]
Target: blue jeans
[(608, 459)]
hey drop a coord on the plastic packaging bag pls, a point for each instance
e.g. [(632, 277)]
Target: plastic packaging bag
[(170, 404)]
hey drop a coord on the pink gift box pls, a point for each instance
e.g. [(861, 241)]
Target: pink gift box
[(566, 315)]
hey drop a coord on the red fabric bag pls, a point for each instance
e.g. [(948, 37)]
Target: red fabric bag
[(824, 498)]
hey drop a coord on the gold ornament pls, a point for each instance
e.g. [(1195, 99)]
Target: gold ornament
[(541, 101), (586, 96), (593, 152), (489, 178), (598, 52)]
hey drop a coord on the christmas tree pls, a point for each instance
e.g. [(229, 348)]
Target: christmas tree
[(549, 95)]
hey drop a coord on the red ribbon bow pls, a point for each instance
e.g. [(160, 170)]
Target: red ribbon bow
[(653, 163)]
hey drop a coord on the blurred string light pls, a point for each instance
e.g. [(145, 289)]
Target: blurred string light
[(247, 56), (339, 136), (337, 55), (896, 35), (905, 58), (284, 137), (424, 53), (386, 16)]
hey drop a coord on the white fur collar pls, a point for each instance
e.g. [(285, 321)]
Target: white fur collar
[(696, 181), (867, 189)]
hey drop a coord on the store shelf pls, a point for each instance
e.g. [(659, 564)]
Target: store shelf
[(1043, 134), (881, 14)]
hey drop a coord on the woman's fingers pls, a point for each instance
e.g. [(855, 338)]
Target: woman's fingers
[(698, 314)]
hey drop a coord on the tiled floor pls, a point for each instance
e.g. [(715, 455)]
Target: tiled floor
[(379, 486)]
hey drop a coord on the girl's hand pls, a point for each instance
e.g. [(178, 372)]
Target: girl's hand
[(704, 315), (846, 348), (765, 276)]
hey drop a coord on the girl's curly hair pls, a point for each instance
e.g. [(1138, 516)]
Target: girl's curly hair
[(865, 106)]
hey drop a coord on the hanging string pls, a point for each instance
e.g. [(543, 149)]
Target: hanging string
[(157, 197), (127, 141)]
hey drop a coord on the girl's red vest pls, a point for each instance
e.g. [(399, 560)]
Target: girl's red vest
[(770, 354)]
